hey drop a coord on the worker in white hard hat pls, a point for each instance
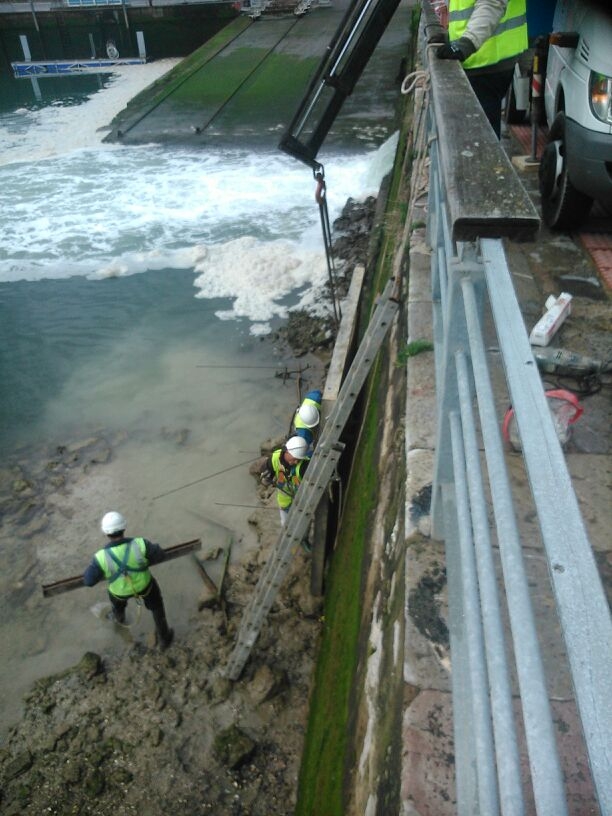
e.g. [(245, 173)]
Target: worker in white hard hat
[(124, 563), (285, 469), (308, 416)]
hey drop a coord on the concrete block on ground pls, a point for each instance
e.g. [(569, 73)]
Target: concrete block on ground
[(419, 281), (420, 402), (428, 762), (426, 646), (419, 475)]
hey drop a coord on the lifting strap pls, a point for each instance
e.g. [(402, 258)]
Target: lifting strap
[(123, 568)]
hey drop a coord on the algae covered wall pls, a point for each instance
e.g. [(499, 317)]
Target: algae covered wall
[(352, 746), (353, 753)]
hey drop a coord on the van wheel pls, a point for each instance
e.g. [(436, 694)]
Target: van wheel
[(563, 206)]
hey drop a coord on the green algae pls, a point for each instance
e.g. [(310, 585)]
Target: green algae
[(329, 752)]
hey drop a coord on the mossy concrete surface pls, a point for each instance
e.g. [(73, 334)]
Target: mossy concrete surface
[(243, 85), (142, 106), (352, 757)]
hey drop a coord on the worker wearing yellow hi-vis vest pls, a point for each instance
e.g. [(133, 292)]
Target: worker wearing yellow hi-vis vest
[(308, 416), (124, 563), (285, 469), (487, 36)]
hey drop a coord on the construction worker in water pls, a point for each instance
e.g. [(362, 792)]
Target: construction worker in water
[(285, 469), (308, 416), (124, 563)]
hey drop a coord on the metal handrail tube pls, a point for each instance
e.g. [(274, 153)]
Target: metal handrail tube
[(480, 702), (433, 203), (475, 200), (583, 609), (446, 387), (465, 759), (543, 755), (508, 768)]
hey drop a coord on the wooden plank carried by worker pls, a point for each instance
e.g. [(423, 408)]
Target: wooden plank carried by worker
[(67, 584)]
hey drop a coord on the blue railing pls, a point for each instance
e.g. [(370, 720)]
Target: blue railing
[(475, 201)]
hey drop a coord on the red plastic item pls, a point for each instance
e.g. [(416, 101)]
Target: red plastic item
[(565, 409)]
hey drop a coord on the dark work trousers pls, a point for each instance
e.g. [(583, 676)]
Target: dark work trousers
[(151, 596), (490, 89)]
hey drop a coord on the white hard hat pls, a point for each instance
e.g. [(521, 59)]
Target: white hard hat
[(297, 447), (113, 522), (309, 415)]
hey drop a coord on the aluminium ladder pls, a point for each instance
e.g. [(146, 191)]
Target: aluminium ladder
[(320, 470)]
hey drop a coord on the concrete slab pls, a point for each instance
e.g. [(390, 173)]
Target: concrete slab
[(419, 467), (420, 424), (526, 163), (428, 775), (421, 385), (426, 648)]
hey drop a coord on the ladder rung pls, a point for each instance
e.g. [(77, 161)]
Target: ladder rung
[(317, 476)]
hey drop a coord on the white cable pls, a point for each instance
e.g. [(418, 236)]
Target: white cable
[(418, 78)]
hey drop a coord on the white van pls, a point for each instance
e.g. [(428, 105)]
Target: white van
[(576, 165)]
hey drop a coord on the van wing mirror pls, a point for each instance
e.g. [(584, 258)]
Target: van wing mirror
[(564, 39)]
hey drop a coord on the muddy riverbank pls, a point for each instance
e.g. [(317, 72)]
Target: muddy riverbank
[(151, 731)]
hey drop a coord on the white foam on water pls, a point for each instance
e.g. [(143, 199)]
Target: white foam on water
[(245, 222), (101, 610), (30, 135), (257, 274)]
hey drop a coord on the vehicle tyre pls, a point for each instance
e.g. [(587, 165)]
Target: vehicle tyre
[(563, 206)]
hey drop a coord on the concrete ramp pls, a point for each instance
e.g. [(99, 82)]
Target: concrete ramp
[(241, 86)]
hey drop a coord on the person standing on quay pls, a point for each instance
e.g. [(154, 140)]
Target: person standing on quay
[(487, 37)]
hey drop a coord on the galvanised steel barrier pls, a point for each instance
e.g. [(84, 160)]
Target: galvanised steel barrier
[(475, 201)]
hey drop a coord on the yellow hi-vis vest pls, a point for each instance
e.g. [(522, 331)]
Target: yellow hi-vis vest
[(508, 40), (125, 567), (286, 479)]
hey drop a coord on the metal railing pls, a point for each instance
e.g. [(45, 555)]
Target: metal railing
[(475, 201)]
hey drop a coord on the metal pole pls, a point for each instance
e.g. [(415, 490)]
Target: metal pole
[(25, 47), (536, 94), (34, 16)]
